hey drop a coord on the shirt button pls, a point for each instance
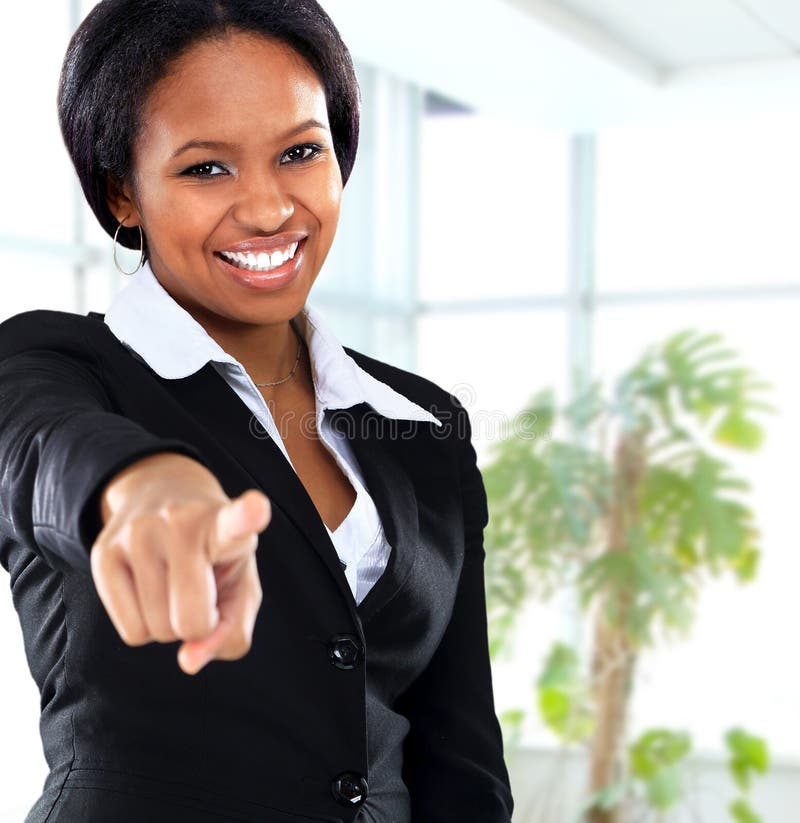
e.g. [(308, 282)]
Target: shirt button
[(344, 651), (349, 789)]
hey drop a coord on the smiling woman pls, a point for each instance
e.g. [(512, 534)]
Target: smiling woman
[(238, 198), (240, 600)]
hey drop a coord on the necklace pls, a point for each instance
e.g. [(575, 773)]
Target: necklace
[(296, 361)]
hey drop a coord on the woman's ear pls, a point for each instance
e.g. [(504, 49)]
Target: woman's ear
[(121, 202)]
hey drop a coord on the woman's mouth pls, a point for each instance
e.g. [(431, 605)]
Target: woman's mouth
[(262, 261), (264, 266)]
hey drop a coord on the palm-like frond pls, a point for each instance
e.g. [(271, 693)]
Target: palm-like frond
[(550, 500)]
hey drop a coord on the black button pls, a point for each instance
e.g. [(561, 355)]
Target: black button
[(344, 651), (350, 789)]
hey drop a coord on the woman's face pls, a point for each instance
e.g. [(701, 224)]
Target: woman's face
[(235, 181)]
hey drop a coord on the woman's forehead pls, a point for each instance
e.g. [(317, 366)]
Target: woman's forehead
[(231, 83)]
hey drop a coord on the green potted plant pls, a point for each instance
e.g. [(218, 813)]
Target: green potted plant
[(633, 509)]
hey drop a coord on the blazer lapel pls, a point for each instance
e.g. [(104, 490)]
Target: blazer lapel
[(374, 440)]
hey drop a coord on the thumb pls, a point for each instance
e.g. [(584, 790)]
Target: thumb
[(236, 525)]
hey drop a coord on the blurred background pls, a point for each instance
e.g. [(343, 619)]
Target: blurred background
[(544, 188)]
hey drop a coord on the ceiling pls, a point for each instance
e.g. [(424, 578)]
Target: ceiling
[(671, 36), (587, 64)]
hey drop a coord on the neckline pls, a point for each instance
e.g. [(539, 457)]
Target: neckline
[(350, 513)]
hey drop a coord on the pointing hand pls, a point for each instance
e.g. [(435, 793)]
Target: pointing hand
[(175, 559)]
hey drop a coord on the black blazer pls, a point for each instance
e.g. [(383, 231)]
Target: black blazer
[(280, 735)]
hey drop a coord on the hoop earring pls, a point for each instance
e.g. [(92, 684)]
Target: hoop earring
[(141, 251)]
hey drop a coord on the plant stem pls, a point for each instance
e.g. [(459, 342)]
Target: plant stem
[(614, 654)]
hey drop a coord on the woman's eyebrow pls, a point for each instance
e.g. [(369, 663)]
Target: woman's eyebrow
[(306, 124), (220, 144), (201, 144)]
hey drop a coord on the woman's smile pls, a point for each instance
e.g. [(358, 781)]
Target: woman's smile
[(263, 260), (264, 263)]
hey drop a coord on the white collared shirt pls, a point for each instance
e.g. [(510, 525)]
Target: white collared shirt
[(145, 318)]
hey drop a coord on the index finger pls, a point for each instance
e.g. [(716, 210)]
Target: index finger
[(237, 524)]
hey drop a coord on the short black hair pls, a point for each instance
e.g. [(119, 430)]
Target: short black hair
[(124, 47)]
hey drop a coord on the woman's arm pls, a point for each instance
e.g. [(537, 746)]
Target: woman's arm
[(454, 765), (59, 441), (93, 490)]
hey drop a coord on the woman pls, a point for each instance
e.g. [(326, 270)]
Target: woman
[(204, 471)]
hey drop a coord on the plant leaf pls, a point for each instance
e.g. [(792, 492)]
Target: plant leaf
[(607, 798), (665, 788), (741, 811), (736, 430), (563, 695), (656, 750), (748, 754)]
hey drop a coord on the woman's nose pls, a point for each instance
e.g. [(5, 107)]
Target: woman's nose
[(263, 203)]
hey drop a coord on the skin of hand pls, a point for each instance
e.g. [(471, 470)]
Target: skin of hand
[(175, 559)]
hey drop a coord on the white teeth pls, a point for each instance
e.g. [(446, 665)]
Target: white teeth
[(262, 261)]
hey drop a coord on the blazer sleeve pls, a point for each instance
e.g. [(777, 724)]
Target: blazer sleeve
[(454, 766), (60, 442)]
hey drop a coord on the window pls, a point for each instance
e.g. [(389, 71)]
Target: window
[(694, 227)]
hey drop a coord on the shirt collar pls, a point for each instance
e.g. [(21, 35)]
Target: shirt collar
[(146, 318)]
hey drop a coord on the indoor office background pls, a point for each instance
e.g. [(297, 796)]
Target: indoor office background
[(543, 189)]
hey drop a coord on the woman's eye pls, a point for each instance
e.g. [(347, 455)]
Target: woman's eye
[(299, 154), (205, 170)]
